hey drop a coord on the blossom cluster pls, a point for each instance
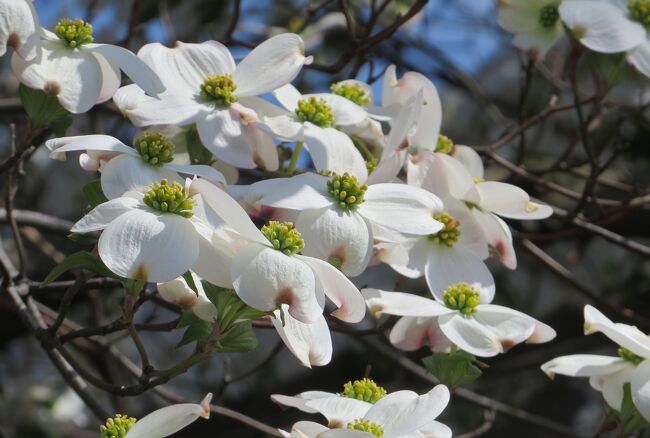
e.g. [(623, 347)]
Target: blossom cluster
[(386, 187)]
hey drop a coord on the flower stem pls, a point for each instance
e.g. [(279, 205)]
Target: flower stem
[(294, 158), (361, 145)]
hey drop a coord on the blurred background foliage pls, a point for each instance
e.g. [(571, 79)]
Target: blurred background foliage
[(487, 89)]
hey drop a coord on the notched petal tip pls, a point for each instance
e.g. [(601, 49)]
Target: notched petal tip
[(14, 41), (308, 60), (205, 404), (140, 273), (52, 88)]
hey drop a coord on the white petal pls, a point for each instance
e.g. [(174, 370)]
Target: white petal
[(338, 410), (470, 335), (285, 127), (264, 278), (301, 192), (498, 236), (330, 232), (602, 26), (128, 173), (185, 66), (388, 168), (215, 258), (583, 365), (299, 401), (612, 386), (518, 17), (418, 255), (345, 433), (169, 420), (147, 246), (307, 429), (102, 215), (345, 295), (111, 78), (73, 76), (200, 170), (447, 266), (346, 112), (272, 64), (470, 159), (334, 151), (402, 304), (130, 64), (626, 336), (434, 429), (640, 385), (512, 327), (539, 41), (640, 57), (411, 333), (129, 97), (19, 27), (169, 109), (403, 124), (288, 96), (403, 208), (59, 146), (403, 412), (310, 343), (509, 201)]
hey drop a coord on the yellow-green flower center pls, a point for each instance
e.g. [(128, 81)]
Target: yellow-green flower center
[(445, 145), (640, 10), (315, 111), (449, 233), (154, 148), (548, 15), (346, 191), (366, 390), (74, 33), (116, 427), (284, 237), (219, 89), (462, 297), (352, 92), (627, 355), (169, 198), (366, 426)]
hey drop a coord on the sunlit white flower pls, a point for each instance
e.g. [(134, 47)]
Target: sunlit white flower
[(310, 343), (127, 168), (336, 216), (535, 23), (81, 73), (267, 270), (609, 374), (19, 28), (157, 424), (312, 119), (204, 86), (462, 314), (400, 414), (612, 26), (360, 93)]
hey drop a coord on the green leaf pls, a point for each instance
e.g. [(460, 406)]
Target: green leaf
[(84, 238), (187, 318), (94, 193), (197, 331), (187, 276), (453, 369), (197, 152), (240, 338), (230, 308), (133, 287), (79, 260), (45, 111)]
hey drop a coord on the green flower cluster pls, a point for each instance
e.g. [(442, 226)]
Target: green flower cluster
[(449, 233), (74, 33), (116, 427), (169, 198), (219, 89), (366, 390), (315, 111), (284, 237), (352, 92), (154, 148), (346, 191), (462, 297), (366, 426)]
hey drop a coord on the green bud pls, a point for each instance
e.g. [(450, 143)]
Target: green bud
[(366, 426), (372, 164), (169, 198), (449, 233), (346, 191), (116, 427), (445, 145), (74, 33), (219, 89), (462, 297), (366, 390), (627, 355), (315, 111), (640, 11), (548, 15), (352, 92), (154, 148), (284, 237)]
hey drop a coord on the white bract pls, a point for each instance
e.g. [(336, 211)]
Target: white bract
[(361, 94), (401, 414), (81, 73), (310, 343), (612, 26), (312, 119), (535, 23), (462, 315), (267, 270), (158, 424), (179, 292), (19, 28), (206, 88), (336, 216), (609, 374), (125, 168)]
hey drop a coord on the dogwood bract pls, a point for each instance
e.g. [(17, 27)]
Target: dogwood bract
[(462, 314), (127, 168), (81, 73), (204, 86), (535, 23), (19, 28), (609, 374)]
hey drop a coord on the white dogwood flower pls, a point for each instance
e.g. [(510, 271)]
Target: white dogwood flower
[(336, 215), (81, 73), (19, 28), (158, 424), (127, 168), (310, 343), (267, 270), (535, 23), (204, 86), (179, 292), (612, 26), (608, 374), (312, 119), (400, 414), (462, 314)]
